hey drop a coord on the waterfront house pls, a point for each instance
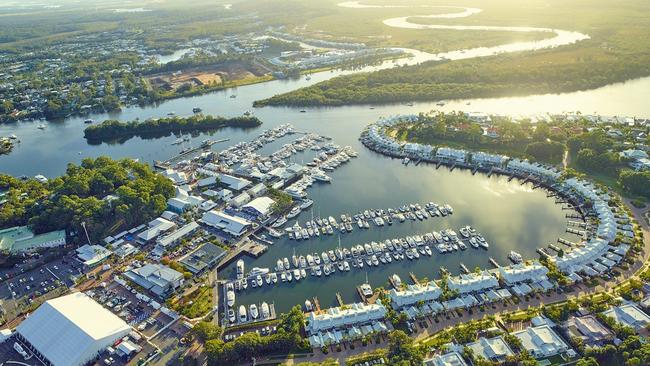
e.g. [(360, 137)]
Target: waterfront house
[(493, 349), (204, 257), (472, 282), (488, 160), (629, 315), (518, 273), (451, 155), (342, 317), (589, 330), (414, 294), (541, 341)]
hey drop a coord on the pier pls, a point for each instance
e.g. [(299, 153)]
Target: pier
[(316, 303), (574, 216), (580, 233), (494, 263), (339, 299), (463, 267), (415, 279), (543, 252), (164, 164), (249, 248), (554, 247), (566, 242)]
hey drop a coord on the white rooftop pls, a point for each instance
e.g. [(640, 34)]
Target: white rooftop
[(71, 329)]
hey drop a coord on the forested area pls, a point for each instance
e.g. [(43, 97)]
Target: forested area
[(110, 130), (497, 76), (103, 193)]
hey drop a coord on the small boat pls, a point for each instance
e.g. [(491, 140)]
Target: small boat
[(397, 281), (515, 257), (253, 311), (306, 204), (88, 121), (242, 313), (240, 268), (293, 213), (231, 316), (266, 313), (308, 305)]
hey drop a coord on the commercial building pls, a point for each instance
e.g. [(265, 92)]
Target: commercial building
[(232, 225), (205, 257), (92, 255), (155, 228), (541, 341), (157, 278), (70, 330), (173, 239), (20, 239), (259, 207)]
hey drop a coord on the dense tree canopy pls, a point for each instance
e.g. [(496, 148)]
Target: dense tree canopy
[(104, 194), (112, 129)]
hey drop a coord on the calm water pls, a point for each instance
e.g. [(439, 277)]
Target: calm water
[(509, 215)]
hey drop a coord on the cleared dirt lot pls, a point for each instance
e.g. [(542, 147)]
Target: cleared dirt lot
[(206, 75)]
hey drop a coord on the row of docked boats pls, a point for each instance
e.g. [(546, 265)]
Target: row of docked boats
[(363, 219), (370, 254), (254, 313)]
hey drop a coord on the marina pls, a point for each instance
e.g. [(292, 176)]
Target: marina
[(355, 187), (360, 256), (376, 218)]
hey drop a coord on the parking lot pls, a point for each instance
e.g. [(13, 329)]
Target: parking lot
[(8, 353)]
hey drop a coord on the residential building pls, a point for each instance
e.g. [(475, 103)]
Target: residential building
[(414, 294), (448, 359), (541, 341), (589, 330), (629, 315), (493, 349)]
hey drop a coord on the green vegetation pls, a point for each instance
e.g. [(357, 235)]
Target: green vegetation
[(205, 330), (287, 339), (79, 196), (616, 51), (589, 148), (111, 129), (193, 304), (402, 351), (282, 201)]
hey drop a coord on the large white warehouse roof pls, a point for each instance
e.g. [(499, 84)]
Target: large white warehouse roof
[(72, 329)]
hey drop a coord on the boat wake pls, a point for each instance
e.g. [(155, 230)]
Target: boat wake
[(560, 38)]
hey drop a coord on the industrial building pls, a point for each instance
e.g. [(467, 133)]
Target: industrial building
[(70, 330)]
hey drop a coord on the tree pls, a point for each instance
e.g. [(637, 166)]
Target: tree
[(402, 350), (206, 331)]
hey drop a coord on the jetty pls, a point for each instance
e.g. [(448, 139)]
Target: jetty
[(165, 164)]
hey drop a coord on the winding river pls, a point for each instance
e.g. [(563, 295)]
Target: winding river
[(528, 220)]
